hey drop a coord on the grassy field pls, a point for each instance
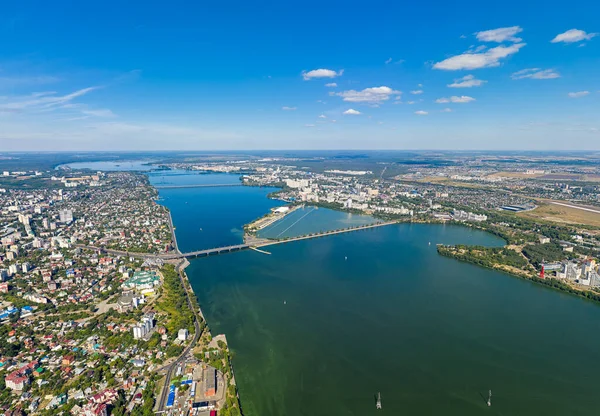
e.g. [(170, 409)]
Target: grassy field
[(561, 214)]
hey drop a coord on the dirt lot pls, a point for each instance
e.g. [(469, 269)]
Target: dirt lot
[(562, 214), (519, 175)]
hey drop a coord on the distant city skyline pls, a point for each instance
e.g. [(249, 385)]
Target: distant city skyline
[(249, 76)]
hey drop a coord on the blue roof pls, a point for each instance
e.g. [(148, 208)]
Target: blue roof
[(171, 397)]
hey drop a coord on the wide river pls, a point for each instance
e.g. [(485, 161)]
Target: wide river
[(320, 326)]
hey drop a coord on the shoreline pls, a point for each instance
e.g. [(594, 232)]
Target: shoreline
[(550, 282), (180, 268)]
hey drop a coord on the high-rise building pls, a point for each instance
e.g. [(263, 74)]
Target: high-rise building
[(66, 216)]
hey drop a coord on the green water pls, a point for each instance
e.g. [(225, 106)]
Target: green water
[(314, 333), (320, 326)]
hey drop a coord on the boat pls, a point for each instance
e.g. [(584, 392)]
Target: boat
[(378, 405), (489, 402)]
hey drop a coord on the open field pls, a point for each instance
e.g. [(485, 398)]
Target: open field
[(443, 180), (518, 175), (591, 178), (557, 211)]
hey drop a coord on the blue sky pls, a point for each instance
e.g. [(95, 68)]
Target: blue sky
[(299, 75)]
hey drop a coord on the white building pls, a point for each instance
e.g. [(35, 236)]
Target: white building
[(182, 334), (297, 184), (66, 216)]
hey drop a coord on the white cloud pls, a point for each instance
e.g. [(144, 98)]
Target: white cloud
[(535, 73), (322, 116), (487, 59), (321, 73), (447, 110), (285, 108), (500, 35), (467, 81), (417, 92), (103, 112), (421, 113), (309, 125), (331, 85), (369, 95), (578, 94), (387, 61), (352, 112), (573, 35), (455, 99), (41, 101)]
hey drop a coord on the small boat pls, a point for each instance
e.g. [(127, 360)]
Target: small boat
[(489, 402), (200, 229), (284, 302), (378, 405), (345, 257)]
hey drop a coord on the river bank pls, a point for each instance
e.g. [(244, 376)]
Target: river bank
[(230, 404), (466, 256), (433, 332)]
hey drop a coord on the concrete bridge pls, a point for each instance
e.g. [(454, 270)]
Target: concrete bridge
[(255, 242), (259, 242), (200, 185)]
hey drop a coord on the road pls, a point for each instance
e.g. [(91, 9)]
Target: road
[(576, 207), (170, 368)]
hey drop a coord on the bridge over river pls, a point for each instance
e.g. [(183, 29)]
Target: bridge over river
[(250, 243), (199, 185)]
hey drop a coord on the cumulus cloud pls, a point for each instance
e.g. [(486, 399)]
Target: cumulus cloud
[(573, 35), (417, 92), (352, 112), (421, 113), (455, 99), (447, 110), (487, 59), (368, 95), (331, 85), (467, 81), (500, 35), (286, 108), (322, 116), (321, 73), (535, 73), (578, 94)]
